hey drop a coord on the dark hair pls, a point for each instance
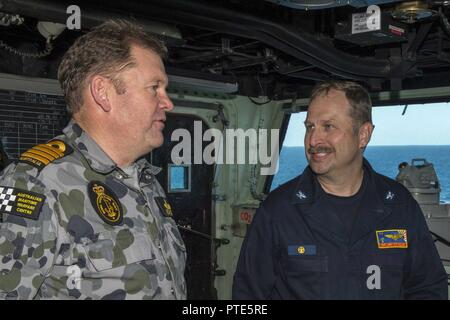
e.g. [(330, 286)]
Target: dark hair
[(105, 50), (360, 103)]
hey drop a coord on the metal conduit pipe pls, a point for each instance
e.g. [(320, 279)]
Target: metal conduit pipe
[(293, 42)]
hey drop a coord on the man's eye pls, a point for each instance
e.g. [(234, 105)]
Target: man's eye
[(328, 126), (154, 89)]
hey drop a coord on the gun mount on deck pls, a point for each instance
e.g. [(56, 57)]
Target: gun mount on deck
[(421, 180)]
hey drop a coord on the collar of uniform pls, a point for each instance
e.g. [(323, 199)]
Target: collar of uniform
[(389, 193), (145, 166), (372, 190), (98, 160), (305, 190)]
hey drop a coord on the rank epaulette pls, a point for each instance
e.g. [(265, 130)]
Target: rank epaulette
[(41, 155)]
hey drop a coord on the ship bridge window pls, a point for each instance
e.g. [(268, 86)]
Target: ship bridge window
[(422, 132), (179, 178)]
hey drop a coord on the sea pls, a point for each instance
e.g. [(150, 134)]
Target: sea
[(384, 160)]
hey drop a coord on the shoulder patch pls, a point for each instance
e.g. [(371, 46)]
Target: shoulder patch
[(41, 155), (22, 203)]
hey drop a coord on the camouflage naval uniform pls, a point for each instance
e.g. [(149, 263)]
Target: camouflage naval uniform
[(67, 250)]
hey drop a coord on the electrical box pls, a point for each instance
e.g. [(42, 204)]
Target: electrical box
[(362, 29)]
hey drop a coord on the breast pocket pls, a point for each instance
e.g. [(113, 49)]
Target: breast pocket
[(299, 264), (174, 236), (113, 250), (112, 266), (305, 275), (384, 275), (176, 245)]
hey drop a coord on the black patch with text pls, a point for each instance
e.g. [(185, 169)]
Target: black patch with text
[(22, 203)]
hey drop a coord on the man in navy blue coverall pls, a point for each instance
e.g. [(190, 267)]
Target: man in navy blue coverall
[(339, 230)]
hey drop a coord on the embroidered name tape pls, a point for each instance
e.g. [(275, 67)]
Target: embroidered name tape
[(302, 250), (388, 239), (22, 203)]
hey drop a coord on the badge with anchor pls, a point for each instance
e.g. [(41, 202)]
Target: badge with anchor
[(105, 203)]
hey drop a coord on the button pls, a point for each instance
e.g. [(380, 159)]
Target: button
[(172, 291), (119, 176)]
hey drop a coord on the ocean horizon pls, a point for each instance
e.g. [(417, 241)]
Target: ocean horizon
[(383, 158)]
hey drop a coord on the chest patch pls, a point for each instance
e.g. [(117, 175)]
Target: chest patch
[(388, 239), (105, 203), (164, 206)]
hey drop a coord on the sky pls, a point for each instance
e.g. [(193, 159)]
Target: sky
[(422, 124)]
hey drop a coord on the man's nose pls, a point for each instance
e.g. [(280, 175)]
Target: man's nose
[(165, 102), (314, 137)]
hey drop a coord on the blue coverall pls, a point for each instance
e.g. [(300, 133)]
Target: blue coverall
[(296, 250)]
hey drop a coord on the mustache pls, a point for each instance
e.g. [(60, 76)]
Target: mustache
[(319, 149)]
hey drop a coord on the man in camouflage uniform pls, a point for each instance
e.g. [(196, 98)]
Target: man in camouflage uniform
[(83, 217)]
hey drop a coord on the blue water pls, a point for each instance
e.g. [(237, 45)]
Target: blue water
[(384, 159)]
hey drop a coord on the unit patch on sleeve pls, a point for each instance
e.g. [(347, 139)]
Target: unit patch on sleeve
[(105, 203), (41, 155), (20, 202), (388, 239), (164, 205)]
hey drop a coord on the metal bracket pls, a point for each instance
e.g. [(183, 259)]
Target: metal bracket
[(221, 116), (219, 197)]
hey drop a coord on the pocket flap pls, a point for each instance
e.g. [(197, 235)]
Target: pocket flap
[(113, 250), (175, 236), (305, 263), (388, 259)]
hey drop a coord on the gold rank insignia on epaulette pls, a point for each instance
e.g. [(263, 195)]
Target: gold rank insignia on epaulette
[(41, 155)]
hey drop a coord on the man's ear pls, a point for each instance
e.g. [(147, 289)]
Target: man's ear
[(365, 133), (99, 90)]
